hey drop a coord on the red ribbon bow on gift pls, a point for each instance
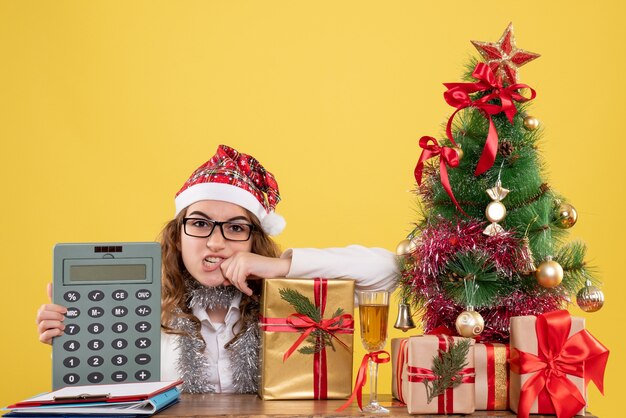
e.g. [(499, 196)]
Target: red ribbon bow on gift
[(361, 377), (330, 326), (457, 96), (580, 355), (447, 157)]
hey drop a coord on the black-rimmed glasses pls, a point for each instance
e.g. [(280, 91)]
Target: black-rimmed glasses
[(203, 228)]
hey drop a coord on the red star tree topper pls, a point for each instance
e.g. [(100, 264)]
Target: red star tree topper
[(503, 57)]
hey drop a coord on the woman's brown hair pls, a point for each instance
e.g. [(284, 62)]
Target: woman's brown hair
[(174, 274)]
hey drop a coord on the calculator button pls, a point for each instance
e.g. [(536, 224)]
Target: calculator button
[(119, 376), (95, 345), (95, 361), (96, 295), (71, 378), (143, 310), (143, 326), (119, 311), (71, 345), (95, 328), (119, 360), (96, 312), (71, 329), (95, 377), (71, 362), (142, 375), (119, 327), (142, 359), (72, 313), (143, 343), (143, 294), (71, 296), (119, 344), (119, 295)]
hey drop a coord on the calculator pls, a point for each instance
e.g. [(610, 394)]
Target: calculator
[(112, 292)]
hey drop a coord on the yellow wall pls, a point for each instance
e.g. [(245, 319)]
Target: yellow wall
[(107, 106)]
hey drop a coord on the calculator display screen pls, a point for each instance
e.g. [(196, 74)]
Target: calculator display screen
[(110, 272)]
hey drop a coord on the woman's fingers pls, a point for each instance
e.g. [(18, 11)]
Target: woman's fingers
[(51, 311), (47, 336), (235, 270), (49, 321)]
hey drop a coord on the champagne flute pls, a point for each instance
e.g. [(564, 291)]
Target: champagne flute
[(373, 313)]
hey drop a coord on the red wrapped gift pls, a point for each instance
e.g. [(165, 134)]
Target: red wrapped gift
[(553, 358), (418, 374), (491, 361)]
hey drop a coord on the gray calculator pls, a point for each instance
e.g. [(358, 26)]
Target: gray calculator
[(112, 292)]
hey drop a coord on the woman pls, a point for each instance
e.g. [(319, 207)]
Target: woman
[(214, 251)]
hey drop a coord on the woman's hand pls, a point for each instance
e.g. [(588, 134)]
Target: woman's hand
[(50, 319), (243, 266)]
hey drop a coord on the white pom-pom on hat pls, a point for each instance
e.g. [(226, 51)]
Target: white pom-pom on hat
[(273, 224)]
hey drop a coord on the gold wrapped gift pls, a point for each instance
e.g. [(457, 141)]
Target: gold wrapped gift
[(303, 357)]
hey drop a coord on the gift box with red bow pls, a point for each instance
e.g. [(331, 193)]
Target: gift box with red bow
[(553, 358), (306, 339), (424, 388)]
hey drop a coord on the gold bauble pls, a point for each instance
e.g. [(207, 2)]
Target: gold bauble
[(406, 246), (566, 216), (549, 273), (495, 211), (469, 324), (459, 152), (531, 123), (403, 247), (590, 298)]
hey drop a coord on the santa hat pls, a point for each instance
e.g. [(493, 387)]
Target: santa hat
[(238, 178)]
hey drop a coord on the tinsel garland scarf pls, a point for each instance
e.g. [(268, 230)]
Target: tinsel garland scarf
[(193, 363), (442, 241)]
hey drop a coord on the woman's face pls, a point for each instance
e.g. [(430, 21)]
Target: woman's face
[(203, 256)]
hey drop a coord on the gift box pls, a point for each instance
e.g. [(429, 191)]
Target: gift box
[(552, 359), (491, 361), (307, 333), (398, 362), (420, 377)]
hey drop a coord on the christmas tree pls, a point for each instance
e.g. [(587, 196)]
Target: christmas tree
[(491, 241)]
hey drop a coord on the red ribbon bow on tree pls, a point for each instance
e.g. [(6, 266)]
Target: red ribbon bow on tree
[(447, 157), (457, 96), (580, 355)]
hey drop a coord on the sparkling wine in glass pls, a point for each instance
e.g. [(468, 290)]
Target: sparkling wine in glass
[(374, 314)]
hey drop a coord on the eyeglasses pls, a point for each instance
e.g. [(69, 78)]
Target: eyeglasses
[(203, 228)]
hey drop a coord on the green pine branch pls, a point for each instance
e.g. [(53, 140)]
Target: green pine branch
[(447, 367), (300, 303), (472, 269), (318, 339), (576, 272)]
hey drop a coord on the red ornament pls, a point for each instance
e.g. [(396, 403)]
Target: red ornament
[(503, 57)]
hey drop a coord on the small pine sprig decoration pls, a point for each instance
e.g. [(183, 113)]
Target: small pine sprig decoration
[(447, 366), (318, 339), (478, 267)]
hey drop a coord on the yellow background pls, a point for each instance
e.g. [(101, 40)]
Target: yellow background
[(106, 107)]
